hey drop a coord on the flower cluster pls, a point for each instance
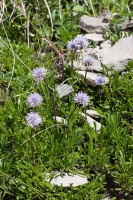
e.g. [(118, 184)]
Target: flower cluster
[(33, 119), (34, 99), (87, 60), (39, 73), (77, 43), (72, 45), (81, 42), (82, 98), (100, 80)]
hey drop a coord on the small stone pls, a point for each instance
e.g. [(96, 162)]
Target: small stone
[(43, 54), (106, 18), (94, 37), (92, 24), (67, 179), (64, 89), (93, 113), (106, 197), (91, 77), (92, 122), (60, 120), (126, 25)]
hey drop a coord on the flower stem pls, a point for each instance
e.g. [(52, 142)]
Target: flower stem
[(72, 58), (32, 149), (71, 114), (53, 100), (85, 78)]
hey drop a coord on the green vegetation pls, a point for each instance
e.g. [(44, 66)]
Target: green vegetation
[(30, 29)]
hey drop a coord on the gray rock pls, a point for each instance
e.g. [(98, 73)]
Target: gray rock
[(91, 77), (106, 17), (94, 37), (118, 55), (92, 50), (92, 24), (64, 89), (126, 25), (66, 179), (92, 122), (106, 197), (60, 120), (106, 44), (96, 65), (93, 113)]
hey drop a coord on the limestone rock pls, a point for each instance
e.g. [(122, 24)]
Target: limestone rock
[(106, 17), (96, 65), (92, 122), (60, 120), (64, 89), (106, 44), (91, 50), (93, 113), (106, 197), (118, 55), (91, 77), (92, 24), (66, 179), (126, 25), (94, 37)]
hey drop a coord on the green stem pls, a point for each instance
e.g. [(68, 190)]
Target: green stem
[(53, 100), (71, 114), (32, 149), (85, 77), (72, 58)]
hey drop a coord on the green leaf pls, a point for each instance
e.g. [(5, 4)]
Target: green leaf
[(79, 8)]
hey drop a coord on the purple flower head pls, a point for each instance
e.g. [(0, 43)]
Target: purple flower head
[(81, 42), (34, 99), (100, 80), (39, 73), (87, 59), (72, 45), (82, 98), (33, 119)]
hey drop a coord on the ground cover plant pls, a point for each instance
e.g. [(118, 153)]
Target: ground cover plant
[(38, 45)]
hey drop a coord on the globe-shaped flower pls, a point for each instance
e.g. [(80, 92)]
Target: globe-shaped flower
[(39, 73), (87, 59), (82, 98), (33, 119), (100, 80), (72, 45), (34, 99), (81, 42)]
